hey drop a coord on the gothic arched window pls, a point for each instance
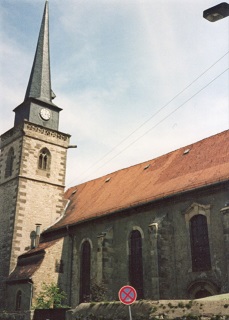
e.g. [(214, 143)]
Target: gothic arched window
[(44, 159), (200, 250), (85, 272), (18, 300), (135, 263), (9, 163)]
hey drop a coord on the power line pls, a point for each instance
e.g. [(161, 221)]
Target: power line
[(157, 112), (159, 122), (164, 106)]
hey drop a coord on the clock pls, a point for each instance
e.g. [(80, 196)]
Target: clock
[(45, 114)]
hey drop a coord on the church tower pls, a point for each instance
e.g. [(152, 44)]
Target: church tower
[(32, 163)]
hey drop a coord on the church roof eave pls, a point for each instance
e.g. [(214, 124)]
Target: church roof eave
[(38, 101), (146, 202), (198, 166)]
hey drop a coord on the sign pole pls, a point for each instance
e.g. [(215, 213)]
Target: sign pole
[(130, 313)]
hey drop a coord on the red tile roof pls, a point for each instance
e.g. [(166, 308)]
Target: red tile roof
[(200, 164), (41, 248), (29, 262), (26, 268)]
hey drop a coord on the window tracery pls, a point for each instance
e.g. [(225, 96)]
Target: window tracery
[(44, 159)]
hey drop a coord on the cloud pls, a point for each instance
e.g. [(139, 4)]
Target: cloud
[(114, 65)]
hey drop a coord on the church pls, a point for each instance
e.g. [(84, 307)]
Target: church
[(161, 226)]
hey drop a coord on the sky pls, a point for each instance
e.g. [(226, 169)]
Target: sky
[(135, 78)]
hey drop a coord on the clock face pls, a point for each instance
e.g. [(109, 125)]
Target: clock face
[(45, 114)]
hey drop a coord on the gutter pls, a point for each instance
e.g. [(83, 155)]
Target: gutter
[(135, 205), (23, 280)]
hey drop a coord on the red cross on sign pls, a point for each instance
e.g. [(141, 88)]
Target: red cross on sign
[(127, 295)]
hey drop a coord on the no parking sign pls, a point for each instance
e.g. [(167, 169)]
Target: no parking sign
[(127, 295)]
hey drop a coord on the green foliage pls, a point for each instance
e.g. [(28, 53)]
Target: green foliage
[(180, 305), (189, 304), (192, 317), (98, 291), (153, 309), (7, 315), (217, 317), (50, 297)]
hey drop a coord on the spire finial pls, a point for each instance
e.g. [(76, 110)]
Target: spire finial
[(39, 85)]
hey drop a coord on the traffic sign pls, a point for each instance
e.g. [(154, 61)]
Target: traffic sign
[(127, 295)]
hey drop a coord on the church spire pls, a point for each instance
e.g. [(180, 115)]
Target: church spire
[(39, 86), (37, 106)]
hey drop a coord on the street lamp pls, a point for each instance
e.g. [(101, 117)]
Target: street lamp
[(217, 12)]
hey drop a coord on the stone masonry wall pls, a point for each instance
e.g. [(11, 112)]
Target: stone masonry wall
[(30, 195), (8, 202), (48, 272), (52, 269), (167, 263)]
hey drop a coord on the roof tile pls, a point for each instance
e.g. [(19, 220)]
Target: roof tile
[(206, 163)]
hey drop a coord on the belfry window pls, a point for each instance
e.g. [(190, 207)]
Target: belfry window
[(200, 250), (135, 263), (9, 163), (85, 272), (18, 301), (44, 159)]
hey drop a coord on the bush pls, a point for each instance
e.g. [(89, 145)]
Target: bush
[(98, 291), (50, 297)]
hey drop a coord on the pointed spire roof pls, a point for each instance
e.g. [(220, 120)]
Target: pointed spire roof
[(39, 85), (39, 94)]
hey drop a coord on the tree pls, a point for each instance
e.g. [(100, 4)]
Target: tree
[(51, 296)]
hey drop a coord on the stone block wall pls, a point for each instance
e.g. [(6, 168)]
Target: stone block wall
[(49, 266), (50, 270), (29, 195), (26, 289), (167, 262), (8, 198)]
